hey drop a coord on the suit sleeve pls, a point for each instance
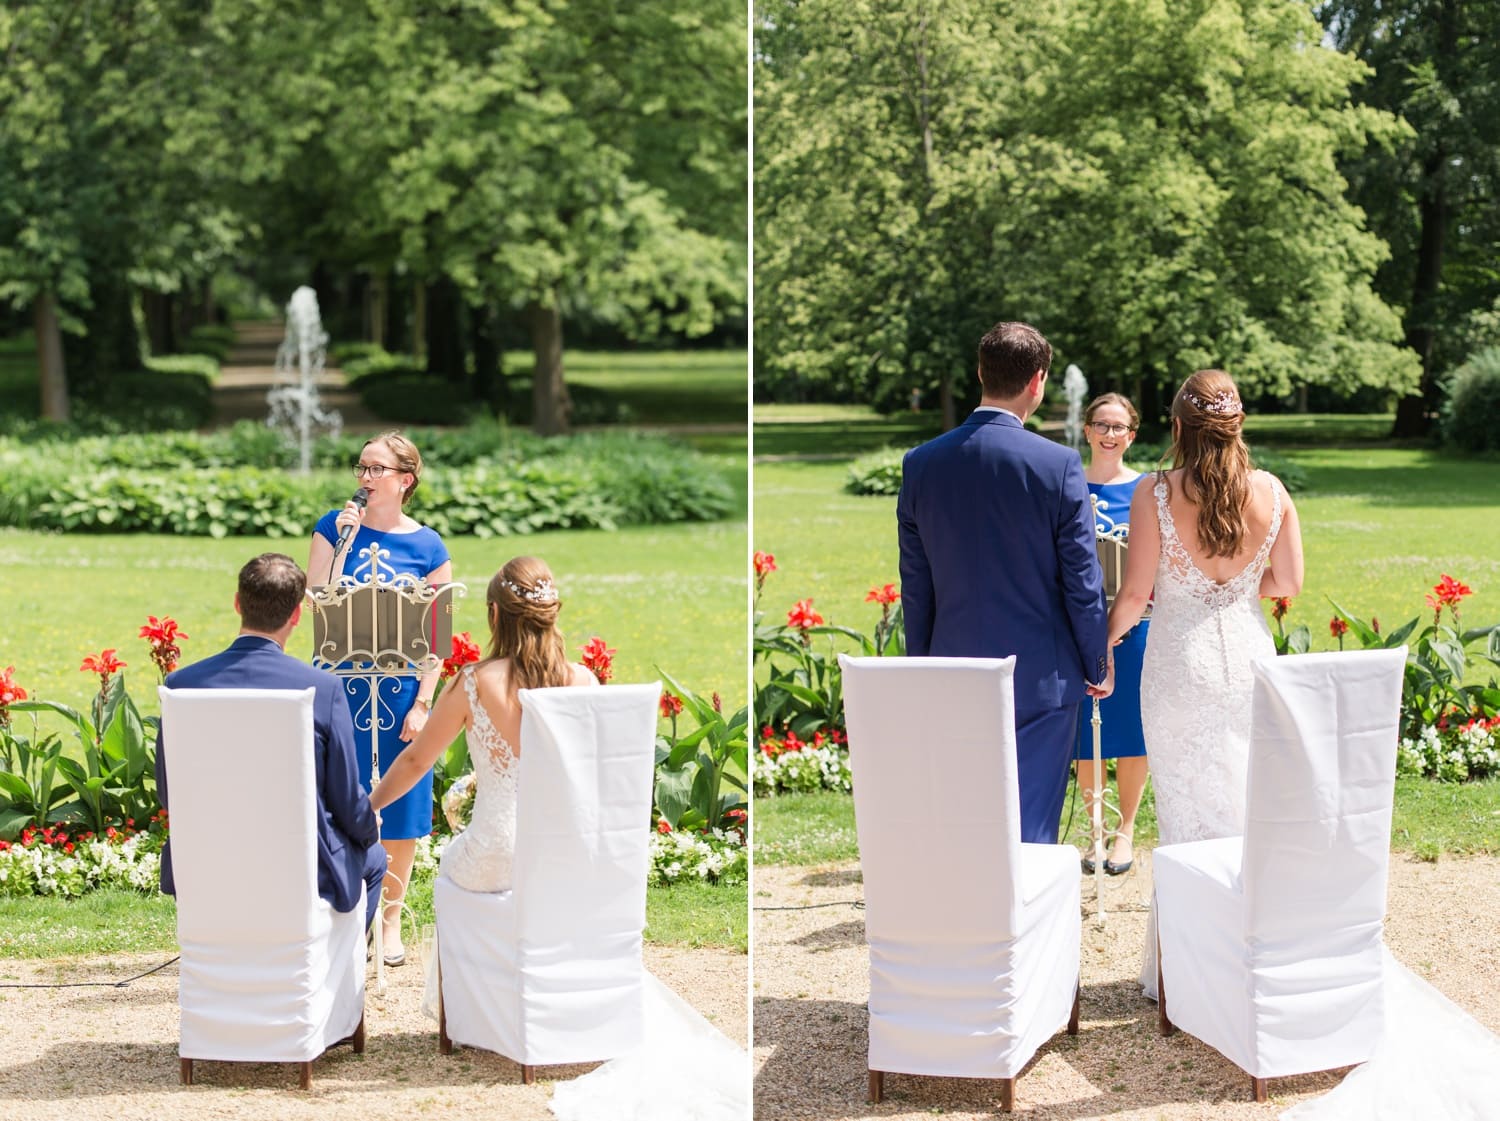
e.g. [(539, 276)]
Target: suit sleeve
[(916, 572), (1082, 578), (346, 800)]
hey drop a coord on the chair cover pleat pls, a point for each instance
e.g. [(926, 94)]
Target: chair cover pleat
[(269, 971), (550, 971), (1272, 954), (973, 936)]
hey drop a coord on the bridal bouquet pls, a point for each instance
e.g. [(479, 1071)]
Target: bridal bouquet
[(458, 803)]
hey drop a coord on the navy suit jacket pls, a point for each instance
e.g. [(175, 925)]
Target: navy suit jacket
[(998, 558), (346, 824)]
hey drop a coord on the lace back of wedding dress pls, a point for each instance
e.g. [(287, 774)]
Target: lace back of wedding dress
[(479, 858), (1195, 683)]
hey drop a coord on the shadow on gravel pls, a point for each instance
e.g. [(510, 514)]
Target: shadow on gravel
[(1117, 1063), (84, 1068)]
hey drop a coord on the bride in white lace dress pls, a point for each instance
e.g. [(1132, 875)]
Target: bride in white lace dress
[(684, 1066), (1203, 536), (1212, 537), (526, 652)]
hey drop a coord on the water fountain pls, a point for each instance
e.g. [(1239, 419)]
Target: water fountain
[(296, 409), (1075, 389)]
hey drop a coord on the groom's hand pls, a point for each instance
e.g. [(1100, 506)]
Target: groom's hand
[(1107, 686)]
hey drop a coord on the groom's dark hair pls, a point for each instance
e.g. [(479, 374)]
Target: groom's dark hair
[(271, 586), (1009, 355)]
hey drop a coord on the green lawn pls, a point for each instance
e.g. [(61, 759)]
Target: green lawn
[(1431, 818), (111, 922), (680, 387), (1379, 526), (669, 596)]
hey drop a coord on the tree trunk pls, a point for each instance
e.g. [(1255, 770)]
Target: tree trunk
[(161, 325), (1435, 209), (375, 308), (550, 407), (49, 353), (445, 337), (489, 383), (419, 322)]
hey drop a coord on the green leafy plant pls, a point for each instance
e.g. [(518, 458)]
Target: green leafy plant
[(1436, 690), (694, 766)]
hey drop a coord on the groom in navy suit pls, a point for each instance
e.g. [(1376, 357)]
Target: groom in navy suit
[(998, 558), (269, 603)]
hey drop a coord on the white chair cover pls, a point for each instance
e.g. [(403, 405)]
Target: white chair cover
[(1271, 943), (550, 971), (269, 971), (973, 935)]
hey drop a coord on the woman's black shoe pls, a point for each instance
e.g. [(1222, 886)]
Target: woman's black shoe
[(1113, 869)]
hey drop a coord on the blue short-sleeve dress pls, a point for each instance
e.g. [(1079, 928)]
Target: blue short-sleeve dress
[(420, 553), (1120, 712)]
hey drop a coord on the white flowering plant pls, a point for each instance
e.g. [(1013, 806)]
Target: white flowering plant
[(53, 862), (790, 765), (1452, 751), (718, 856)]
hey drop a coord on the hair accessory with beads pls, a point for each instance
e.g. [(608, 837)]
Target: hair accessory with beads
[(544, 592), (1223, 403)]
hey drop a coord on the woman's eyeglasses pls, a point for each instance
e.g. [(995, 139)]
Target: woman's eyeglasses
[(1099, 427), (374, 470)]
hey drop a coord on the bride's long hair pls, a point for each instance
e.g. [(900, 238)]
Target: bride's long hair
[(1209, 446), (523, 604)]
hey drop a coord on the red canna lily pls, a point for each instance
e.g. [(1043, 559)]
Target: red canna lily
[(662, 826), (765, 564), (1280, 605), (163, 635), (670, 705), (598, 658), (1447, 592), (803, 616), (884, 596), (465, 651), (103, 663)]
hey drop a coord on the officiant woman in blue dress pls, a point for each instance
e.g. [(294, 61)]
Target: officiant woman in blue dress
[(1110, 424), (389, 468)]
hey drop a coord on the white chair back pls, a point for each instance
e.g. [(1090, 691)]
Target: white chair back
[(269, 971), (1324, 729), (246, 871), (583, 813), (932, 748)]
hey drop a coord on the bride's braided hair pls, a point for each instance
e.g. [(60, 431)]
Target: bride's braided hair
[(522, 604), (1211, 450)]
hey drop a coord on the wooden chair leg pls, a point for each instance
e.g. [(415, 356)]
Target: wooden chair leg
[(359, 1036), (1007, 1095), (185, 1072), (445, 1045), (877, 1086), (528, 1073), (1163, 1021), (1073, 1018), (1258, 1085), (306, 1075)]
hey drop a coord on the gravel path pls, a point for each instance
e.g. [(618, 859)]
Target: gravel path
[(811, 984), (80, 1054)]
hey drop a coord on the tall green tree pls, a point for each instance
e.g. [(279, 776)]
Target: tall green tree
[(1155, 186), (1434, 194)]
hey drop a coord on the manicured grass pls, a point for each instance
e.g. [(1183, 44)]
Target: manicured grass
[(1431, 819), (110, 922), (1322, 429), (679, 387), (1379, 526), (836, 430), (102, 922), (668, 596)]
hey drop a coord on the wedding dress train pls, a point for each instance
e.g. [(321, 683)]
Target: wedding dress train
[(1435, 1061), (683, 1065)]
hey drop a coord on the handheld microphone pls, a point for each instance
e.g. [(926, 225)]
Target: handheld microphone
[(361, 499)]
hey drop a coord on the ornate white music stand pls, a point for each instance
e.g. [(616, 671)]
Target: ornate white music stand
[(1113, 544), (391, 626)]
